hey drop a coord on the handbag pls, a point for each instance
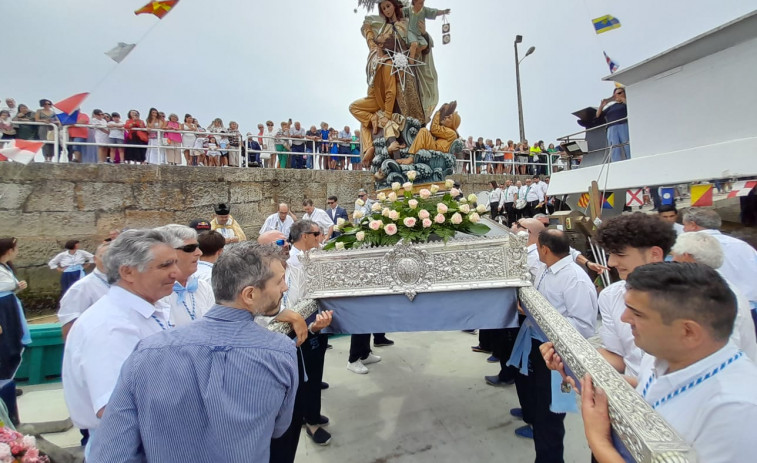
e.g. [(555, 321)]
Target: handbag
[(520, 204)]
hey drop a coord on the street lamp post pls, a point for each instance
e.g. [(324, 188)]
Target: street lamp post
[(519, 39)]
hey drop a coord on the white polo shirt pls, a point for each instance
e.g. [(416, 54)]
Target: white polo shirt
[(616, 335), (717, 415), (204, 270), (81, 295), (273, 222), (96, 347), (743, 335), (740, 265), (193, 307), (510, 193), (321, 218)]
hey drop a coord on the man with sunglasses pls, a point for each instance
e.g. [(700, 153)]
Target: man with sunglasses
[(336, 212), (191, 296), (617, 132)]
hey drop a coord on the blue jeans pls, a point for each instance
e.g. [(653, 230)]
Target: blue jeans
[(618, 134), (309, 164)]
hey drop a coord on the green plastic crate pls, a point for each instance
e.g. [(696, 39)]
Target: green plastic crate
[(42, 359)]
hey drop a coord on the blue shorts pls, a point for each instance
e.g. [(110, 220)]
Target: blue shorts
[(116, 141), (79, 148)]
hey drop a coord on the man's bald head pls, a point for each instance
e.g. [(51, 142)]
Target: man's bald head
[(534, 227), (283, 211)]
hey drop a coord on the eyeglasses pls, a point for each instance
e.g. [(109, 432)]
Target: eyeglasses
[(329, 202), (189, 248), (281, 242), (314, 233), (269, 125)]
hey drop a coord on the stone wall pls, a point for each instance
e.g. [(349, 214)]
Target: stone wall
[(43, 205)]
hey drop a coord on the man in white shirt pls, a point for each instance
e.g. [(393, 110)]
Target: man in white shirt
[(496, 200), (281, 221), (191, 297), (571, 292), (510, 194), (682, 314), (10, 106), (740, 265), (702, 248), (102, 135), (320, 217), (85, 292), (630, 240), (211, 244), (533, 196), (542, 186), (141, 268), (298, 145)]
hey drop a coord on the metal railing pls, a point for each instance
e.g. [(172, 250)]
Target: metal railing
[(511, 166), (573, 137), (268, 151), (55, 130)]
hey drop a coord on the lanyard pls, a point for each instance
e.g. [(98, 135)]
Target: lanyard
[(192, 313), (160, 323)]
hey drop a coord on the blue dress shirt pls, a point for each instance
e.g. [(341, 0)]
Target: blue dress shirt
[(217, 389)]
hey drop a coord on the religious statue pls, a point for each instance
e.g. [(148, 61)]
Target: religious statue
[(402, 95)]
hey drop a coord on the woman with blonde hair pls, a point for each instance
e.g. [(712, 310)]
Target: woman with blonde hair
[(173, 140)]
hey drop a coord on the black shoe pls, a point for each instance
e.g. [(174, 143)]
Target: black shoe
[(383, 342), (322, 421), (320, 436), (329, 346), (324, 385), (19, 392)]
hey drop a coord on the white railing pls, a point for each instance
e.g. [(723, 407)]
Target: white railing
[(55, 130)]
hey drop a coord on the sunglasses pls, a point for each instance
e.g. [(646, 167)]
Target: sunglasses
[(189, 247), (281, 242), (314, 233), (329, 202)]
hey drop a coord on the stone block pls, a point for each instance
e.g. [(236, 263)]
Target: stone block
[(136, 218), (185, 216), (47, 224), (158, 196), (51, 195), (103, 197), (107, 221), (246, 192), (13, 195), (205, 194)]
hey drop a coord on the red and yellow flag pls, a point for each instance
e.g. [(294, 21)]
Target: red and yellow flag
[(583, 201), (158, 8), (701, 195)]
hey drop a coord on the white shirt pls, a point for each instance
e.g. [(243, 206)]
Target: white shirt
[(532, 261), (100, 136), (65, 259), (98, 344), (543, 186), (678, 228), (81, 295), (616, 335), (496, 196), (321, 218), (8, 282), (570, 290), (510, 193), (194, 305), (740, 265), (743, 335), (273, 222), (295, 280), (115, 130), (204, 271), (716, 416)]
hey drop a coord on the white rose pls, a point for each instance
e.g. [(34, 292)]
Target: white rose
[(407, 186), (385, 212), (357, 214), (456, 218), (481, 209), (474, 218), (464, 208), (381, 196), (359, 202), (434, 188), (413, 203), (454, 192), (392, 196), (360, 236), (449, 183), (394, 215), (424, 193), (375, 207), (340, 221), (411, 175), (339, 245), (396, 186), (472, 198)]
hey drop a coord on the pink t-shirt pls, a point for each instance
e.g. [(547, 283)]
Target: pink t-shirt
[(173, 136)]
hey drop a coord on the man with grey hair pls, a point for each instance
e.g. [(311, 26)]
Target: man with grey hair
[(740, 265), (191, 297), (217, 389), (281, 220), (701, 248), (141, 269)]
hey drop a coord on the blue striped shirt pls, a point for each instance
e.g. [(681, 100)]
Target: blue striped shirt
[(217, 389)]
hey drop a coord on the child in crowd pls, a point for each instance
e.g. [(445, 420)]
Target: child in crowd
[(116, 136)]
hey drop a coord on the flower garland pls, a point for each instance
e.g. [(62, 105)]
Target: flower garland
[(400, 214), (15, 447)]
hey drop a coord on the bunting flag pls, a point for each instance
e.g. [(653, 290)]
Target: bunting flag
[(635, 197), (68, 119), (583, 201), (158, 8), (742, 188), (605, 23), (71, 103), (609, 201), (120, 51), (613, 65), (667, 196), (701, 195), (21, 150)]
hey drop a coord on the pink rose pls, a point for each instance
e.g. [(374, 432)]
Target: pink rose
[(394, 215), (392, 196), (424, 193), (409, 222), (474, 217), (454, 192), (441, 208), (427, 223), (407, 186), (456, 219), (413, 203), (423, 214), (375, 225), (390, 229), (439, 218)]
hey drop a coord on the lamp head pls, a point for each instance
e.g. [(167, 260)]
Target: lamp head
[(518, 38), (529, 51)]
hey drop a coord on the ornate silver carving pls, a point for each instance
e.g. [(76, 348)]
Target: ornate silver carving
[(406, 268), (646, 435), (306, 308)]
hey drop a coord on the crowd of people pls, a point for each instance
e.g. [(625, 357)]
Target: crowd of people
[(108, 137)]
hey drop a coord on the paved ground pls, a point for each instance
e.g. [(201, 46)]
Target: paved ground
[(426, 401)]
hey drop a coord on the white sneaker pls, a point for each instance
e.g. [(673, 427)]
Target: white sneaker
[(371, 359), (357, 367)]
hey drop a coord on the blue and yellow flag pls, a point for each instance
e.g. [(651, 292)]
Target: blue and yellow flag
[(605, 23)]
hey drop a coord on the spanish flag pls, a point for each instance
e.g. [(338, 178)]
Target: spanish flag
[(158, 8), (605, 23)]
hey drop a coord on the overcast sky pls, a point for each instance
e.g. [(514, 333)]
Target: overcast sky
[(249, 61)]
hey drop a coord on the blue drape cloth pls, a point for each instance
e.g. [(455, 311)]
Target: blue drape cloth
[(75, 268), (439, 311), (26, 339)]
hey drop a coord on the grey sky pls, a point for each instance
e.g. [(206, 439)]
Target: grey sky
[(251, 61)]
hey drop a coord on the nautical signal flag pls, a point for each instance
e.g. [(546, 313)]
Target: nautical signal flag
[(583, 201), (605, 23), (635, 197), (68, 119), (609, 201), (612, 64), (71, 103), (742, 188), (120, 51), (667, 196), (701, 195), (158, 8), (21, 150)]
